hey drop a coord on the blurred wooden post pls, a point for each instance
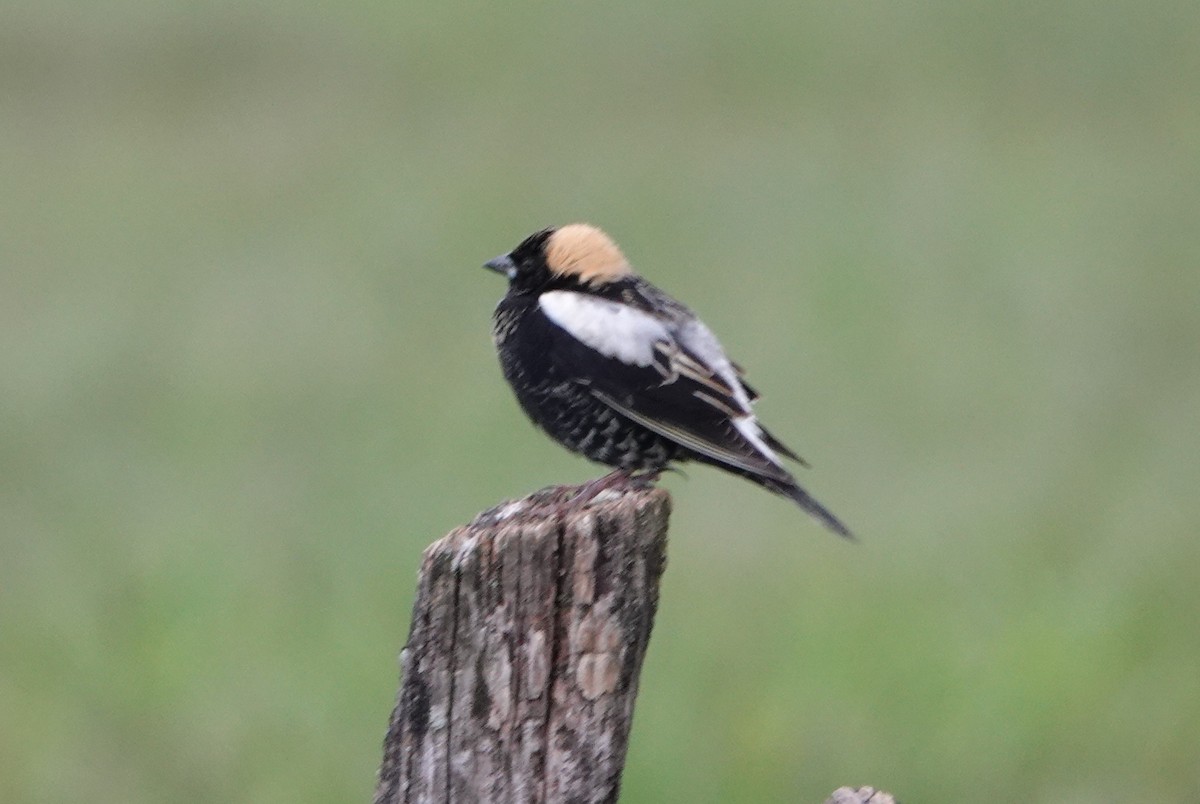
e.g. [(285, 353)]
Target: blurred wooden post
[(860, 795), (522, 662)]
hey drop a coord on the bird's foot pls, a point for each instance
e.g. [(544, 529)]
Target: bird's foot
[(575, 498), (616, 479), (586, 492), (645, 480)]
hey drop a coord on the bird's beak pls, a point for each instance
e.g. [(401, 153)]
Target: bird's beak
[(502, 265)]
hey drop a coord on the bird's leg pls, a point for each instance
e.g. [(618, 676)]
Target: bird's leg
[(579, 494), (587, 491), (556, 495), (647, 479), (615, 479)]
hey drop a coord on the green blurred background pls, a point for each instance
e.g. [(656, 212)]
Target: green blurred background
[(247, 376)]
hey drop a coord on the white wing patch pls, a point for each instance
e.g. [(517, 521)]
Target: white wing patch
[(632, 336), (614, 330)]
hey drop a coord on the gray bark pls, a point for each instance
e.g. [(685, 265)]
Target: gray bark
[(522, 663)]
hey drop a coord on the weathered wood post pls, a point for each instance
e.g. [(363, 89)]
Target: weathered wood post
[(523, 657), (522, 662)]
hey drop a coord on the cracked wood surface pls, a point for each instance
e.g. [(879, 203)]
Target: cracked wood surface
[(527, 639)]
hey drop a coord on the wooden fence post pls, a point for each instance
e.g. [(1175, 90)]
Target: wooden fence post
[(522, 663), (523, 657)]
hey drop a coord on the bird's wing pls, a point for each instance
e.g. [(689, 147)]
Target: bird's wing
[(667, 373), (741, 373)]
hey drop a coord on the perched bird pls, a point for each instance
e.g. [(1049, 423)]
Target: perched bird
[(613, 368)]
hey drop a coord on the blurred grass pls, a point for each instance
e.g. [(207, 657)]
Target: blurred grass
[(247, 376)]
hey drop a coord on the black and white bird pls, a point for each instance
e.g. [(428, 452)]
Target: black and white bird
[(615, 369)]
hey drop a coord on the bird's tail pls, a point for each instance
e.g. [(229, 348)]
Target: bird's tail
[(788, 487)]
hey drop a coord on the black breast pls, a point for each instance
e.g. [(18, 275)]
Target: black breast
[(556, 396)]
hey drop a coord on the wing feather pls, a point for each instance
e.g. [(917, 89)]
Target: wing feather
[(667, 372), (730, 452)]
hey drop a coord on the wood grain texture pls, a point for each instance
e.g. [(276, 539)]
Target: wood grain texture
[(527, 639)]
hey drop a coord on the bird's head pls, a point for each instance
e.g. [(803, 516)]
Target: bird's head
[(577, 253)]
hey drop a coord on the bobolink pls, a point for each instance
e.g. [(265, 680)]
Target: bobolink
[(613, 368)]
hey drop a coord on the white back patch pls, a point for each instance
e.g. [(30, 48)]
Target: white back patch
[(700, 339), (614, 330)]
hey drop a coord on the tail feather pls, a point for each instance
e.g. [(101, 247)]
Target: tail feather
[(783, 484), (786, 486), (802, 498)]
